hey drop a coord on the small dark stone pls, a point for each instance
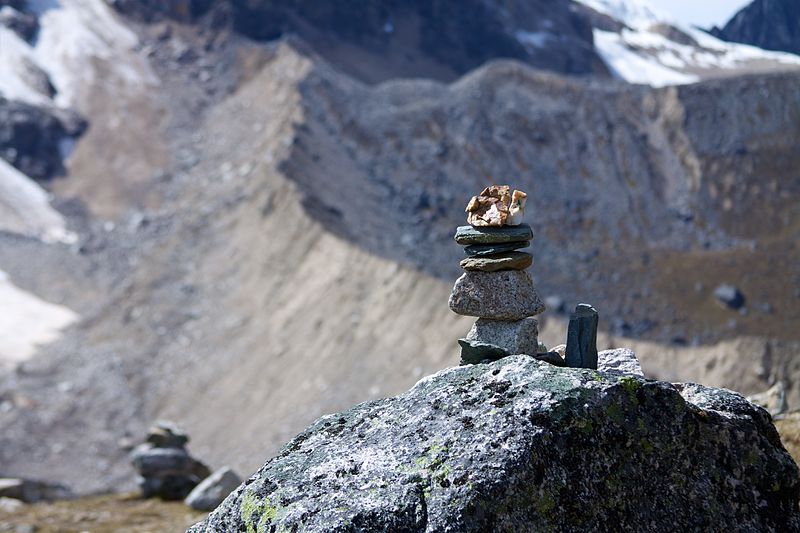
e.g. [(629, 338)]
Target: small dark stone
[(582, 338), (474, 352), (492, 235), (554, 358), (729, 296), (481, 250)]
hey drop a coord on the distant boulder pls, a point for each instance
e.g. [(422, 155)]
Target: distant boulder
[(520, 445), (729, 296)]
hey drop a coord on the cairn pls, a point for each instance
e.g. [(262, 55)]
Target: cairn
[(495, 286), (165, 468)]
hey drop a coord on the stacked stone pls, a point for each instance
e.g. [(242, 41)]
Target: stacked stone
[(496, 287), (165, 468)]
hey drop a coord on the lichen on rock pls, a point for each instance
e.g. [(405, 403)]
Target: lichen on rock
[(519, 445)]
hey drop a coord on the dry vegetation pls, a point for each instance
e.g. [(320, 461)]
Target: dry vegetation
[(101, 514)]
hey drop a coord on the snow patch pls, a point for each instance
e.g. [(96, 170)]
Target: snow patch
[(73, 34), (27, 322), (634, 68), (634, 13), (16, 58), (25, 208)]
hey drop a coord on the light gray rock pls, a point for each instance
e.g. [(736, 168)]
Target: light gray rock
[(514, 336), (505, 295), (10, 505), (519, 445), (212, 490), (619, 360), (772, 399), (560, 349)]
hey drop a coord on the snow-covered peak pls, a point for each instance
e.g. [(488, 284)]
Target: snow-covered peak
[(653, 49), (633, 13)]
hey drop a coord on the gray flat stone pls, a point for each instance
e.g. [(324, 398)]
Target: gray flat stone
[(505, 295), (621, 360), (490, 235), (582, 338), (474, 352), (514, 336), (212, 490), (493, 263), (482, 250)]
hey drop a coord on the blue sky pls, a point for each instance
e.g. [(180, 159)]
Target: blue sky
[(703, 13)]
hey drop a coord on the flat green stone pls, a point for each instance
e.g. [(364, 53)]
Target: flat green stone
[(482, 250), (491, 235), (493, 263)]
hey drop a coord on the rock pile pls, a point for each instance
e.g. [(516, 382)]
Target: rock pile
[(495, 286), (165, 468)]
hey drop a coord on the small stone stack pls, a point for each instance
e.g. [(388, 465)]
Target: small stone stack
[(165, 468), (496, 287)]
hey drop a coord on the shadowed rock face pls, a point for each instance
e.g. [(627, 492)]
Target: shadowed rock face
[(32, 138), (769, 24), (518, 445), (439, 39)]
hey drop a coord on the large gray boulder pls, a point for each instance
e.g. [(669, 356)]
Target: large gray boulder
[(520, 445)]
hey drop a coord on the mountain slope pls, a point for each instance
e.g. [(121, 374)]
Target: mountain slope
[(311, 229), (379, 40)]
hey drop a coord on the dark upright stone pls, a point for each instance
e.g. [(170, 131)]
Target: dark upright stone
[(582, 338)]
